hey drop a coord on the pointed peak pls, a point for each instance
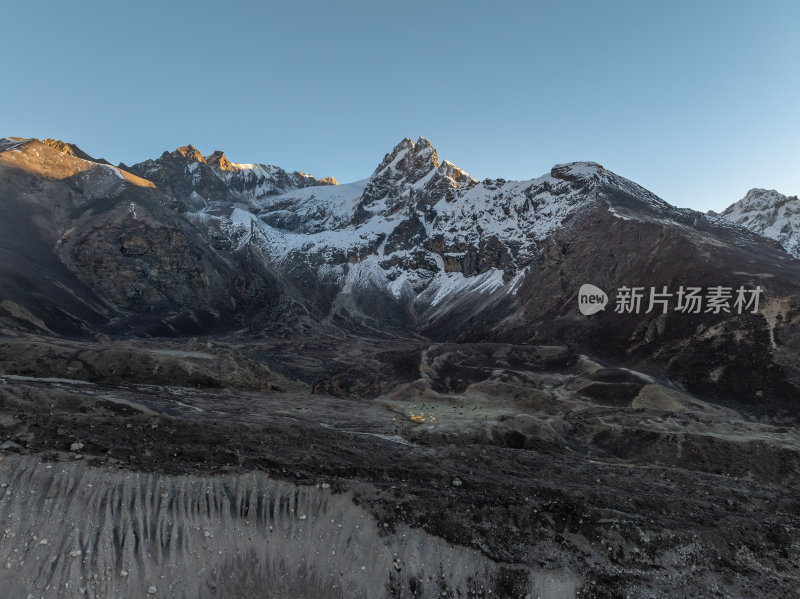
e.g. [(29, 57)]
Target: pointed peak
[(421, 145), (218, 159), (190, 153), (419, 155), (403, 144), (424, 147)]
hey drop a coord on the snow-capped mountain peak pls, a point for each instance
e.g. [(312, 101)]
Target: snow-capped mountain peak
[(575, 171), (420, 226), (410, 161), (771, 214), (410, 174)]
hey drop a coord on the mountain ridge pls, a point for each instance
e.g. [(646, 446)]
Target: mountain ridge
[(419, 247)]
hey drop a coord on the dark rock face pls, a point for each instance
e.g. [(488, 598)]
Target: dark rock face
[(705, 352), (182, 173), (94, 252), (410, 233), (140, 277)]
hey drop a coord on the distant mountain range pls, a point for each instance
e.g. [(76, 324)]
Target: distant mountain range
[(187, 244)]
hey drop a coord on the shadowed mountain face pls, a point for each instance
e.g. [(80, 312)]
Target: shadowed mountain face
[(415, 338), (91, 248)]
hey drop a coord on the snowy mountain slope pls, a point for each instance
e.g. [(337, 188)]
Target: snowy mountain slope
[(311, 210), (414, 223), (423, 228), (771, 214)]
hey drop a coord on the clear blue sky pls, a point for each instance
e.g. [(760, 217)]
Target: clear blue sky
[(697, 101)]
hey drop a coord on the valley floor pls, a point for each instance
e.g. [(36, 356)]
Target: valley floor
[(366, 468)]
